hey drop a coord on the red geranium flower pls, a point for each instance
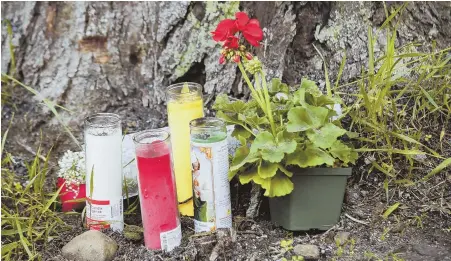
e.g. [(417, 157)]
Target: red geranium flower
[(224, 29), (232, 42), (249, 27)]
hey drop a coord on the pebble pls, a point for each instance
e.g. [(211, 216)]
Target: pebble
[(307, 251), (92, 245)]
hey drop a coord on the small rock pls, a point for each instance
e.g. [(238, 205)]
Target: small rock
[(92, 245), (342, 237), (307, 251)]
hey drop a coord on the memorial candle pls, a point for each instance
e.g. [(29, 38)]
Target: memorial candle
[(157, 194), (103, 141), (184, 104)]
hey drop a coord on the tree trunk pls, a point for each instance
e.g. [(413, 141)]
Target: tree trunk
[(119, 56)]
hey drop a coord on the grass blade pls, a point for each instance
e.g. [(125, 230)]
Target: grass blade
[(436, 170), (390, 210)]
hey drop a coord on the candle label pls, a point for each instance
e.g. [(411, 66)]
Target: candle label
[(210, 167), (103, 214), (171, 239)]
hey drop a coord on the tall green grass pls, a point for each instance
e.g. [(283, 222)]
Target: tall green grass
[(29, 219), (402, 100), (28, 216)]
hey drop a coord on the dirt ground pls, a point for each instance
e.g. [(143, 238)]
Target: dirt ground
[(419, 230)]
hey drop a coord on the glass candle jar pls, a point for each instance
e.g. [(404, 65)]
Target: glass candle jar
[(184, 104), (157, 192), (210, 168), (103, 142)]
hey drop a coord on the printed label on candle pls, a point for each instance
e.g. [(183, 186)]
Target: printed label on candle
[(171, 239), (102, 214), (210, 166)]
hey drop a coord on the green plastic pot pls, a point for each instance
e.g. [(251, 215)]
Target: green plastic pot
[(315, 202)]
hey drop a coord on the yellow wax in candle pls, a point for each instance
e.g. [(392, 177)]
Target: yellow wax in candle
[(180, 113)]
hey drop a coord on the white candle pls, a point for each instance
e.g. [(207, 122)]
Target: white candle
[(103, 141)]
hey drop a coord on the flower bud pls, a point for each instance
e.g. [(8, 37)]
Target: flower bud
[(248, 56), (222, 59), (236, 58)]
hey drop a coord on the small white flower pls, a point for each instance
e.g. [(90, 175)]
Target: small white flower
[(72, 167)]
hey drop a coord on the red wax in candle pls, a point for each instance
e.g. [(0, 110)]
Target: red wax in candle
[(157, 193)]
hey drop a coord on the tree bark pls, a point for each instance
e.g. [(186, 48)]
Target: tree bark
[(119, 56)]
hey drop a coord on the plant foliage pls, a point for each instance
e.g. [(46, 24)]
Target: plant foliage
[(304, 135)]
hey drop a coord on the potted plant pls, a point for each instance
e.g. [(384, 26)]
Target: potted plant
[(289, 137), (71, 177)]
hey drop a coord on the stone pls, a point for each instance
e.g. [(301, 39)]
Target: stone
[(309, 252), (92, 245), (342, 237)]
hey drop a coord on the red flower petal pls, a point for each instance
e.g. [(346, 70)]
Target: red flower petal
[(232, 42), (224, 29), (241, 20), (253, 34), (254, 21)]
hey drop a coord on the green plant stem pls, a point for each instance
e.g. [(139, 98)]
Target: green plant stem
[(261, 98), (251, 87), (268, 103)]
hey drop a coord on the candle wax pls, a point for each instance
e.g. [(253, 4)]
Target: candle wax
[(157, 194), (180, 113)]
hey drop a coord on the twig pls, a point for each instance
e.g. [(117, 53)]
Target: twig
[(27, 148), (250, 232), (208, 242), (356, 220), (327, 231)]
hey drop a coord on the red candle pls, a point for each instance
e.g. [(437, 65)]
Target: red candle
[(158, 198)]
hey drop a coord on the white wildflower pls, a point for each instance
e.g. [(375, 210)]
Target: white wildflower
[(72, 168)]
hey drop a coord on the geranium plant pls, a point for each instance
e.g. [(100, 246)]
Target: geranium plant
[(280, 127)]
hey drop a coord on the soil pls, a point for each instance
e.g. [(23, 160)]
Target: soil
[(419, 230)]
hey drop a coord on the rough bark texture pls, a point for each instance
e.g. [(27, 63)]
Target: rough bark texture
[(119, 56)]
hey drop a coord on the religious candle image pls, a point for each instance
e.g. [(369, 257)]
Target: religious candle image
[(184, 104), (158, 199)]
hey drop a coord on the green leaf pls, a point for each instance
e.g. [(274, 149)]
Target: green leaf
[(344, 153), (280, 185), (243, 156), (223, 103), (248, 175), (253, 120), (310, 87), (239, 131), (277, 86), (267, 169), (325, 136), (390, 210), (311, 156), (326, 100), (285, 171), (439, 168), (305, 118), (270, 150)]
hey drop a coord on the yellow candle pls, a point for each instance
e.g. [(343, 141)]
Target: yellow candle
[(184, 104)]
